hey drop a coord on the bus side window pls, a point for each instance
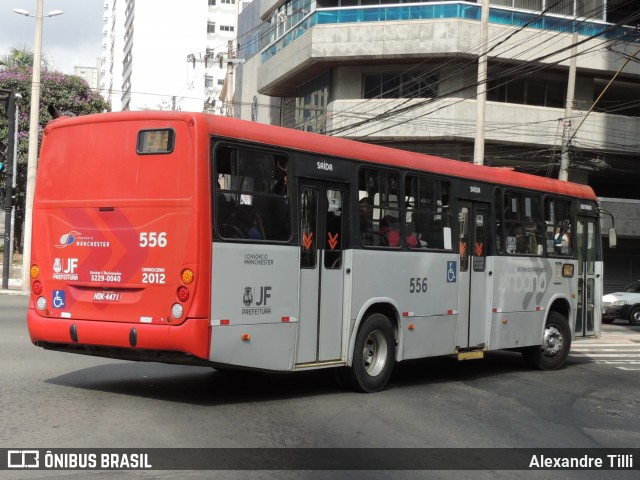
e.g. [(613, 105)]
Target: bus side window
[(428, 218), (251, 200), (558, 227), (523, 222), (378, 208)]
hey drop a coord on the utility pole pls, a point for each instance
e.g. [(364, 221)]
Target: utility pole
[(568, 112), (32, 159), (481, 92)]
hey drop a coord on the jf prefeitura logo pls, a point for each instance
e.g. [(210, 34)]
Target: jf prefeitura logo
[(259, 305)]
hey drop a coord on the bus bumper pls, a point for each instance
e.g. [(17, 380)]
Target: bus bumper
[(191, 337)]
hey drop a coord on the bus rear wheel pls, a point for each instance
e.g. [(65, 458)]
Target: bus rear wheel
[(556, 343), (373, 357)]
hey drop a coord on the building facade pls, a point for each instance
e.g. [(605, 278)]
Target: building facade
[(405, 74), (91, 75), (160, 54)]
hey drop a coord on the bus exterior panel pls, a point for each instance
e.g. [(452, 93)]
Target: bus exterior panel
[(523, 292), (112, 249), (114, 230), (425, 304)]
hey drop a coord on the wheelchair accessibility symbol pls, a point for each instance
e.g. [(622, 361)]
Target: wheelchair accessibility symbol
[(58, 299), (452, 268)]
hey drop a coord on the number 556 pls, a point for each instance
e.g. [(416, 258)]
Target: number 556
[(153, 239), (418, 285)]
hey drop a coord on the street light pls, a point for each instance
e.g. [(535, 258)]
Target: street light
[(52, 13), (34, 121)]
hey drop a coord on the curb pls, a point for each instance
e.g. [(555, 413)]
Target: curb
[(14, 292)]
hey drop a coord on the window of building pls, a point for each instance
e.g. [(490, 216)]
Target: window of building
[(522, 4), (252, 198), (208, 81), (228, 2), (211, 27), (226, 28), (615, 98), (400, 85), (526, 91), (212, 3), (307, 109)]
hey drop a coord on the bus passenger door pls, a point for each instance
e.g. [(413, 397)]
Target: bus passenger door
[(587, 273), (322, 224), (473, 286)]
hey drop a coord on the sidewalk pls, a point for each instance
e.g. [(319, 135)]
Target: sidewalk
[(15, 276)]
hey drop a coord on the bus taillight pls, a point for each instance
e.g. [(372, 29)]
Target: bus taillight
[(187, 276), (36, 287), (183, 294), (35, 271)]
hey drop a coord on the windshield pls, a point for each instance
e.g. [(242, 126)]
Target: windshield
[(633, 287)]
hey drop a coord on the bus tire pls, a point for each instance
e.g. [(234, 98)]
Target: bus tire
[(556, 343), (373, 357)]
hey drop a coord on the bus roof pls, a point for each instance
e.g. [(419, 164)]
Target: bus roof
[(343, 148)]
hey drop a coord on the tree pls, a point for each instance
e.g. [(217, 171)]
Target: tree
[(70, 95), (20, 56)]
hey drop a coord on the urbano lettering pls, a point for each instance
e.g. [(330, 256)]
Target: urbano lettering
[(523, 282)]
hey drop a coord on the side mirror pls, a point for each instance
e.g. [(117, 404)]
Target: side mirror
[(613, 241)]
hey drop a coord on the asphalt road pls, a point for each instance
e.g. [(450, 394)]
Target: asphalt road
[(59, 400)]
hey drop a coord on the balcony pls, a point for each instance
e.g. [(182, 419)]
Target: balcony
[(520, 125), (328, 37)]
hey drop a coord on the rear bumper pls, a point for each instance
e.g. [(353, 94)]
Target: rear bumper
[(191, 337)]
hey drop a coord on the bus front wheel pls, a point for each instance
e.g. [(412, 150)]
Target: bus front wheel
[(373, 357), (556, 343)]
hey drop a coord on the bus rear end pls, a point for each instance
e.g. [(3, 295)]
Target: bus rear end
[(117, 249)]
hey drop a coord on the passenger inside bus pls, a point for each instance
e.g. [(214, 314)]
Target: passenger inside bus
[(365, 219), (249, 223), (280, 186), (389, 231), (562, 240)]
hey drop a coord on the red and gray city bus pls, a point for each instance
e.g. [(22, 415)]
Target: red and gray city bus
[(204, 240)]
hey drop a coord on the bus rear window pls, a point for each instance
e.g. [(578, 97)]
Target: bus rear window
[(155, 141)]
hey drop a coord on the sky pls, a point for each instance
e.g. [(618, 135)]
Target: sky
[(68, 40)]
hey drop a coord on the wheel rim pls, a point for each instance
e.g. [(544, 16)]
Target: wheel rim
[(553, 342), (635, 315), (374, 354)]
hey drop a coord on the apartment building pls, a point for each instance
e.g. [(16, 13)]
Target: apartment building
[(161, 54), (90, 74), (405, 74)]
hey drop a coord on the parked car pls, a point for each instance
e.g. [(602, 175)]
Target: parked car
[(624, 304)]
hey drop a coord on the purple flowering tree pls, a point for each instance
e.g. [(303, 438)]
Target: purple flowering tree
[(70, 94)]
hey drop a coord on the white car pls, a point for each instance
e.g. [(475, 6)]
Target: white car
[(624, 304)]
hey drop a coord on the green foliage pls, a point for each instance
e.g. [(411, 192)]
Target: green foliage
[(71, 95), (20, 56)]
